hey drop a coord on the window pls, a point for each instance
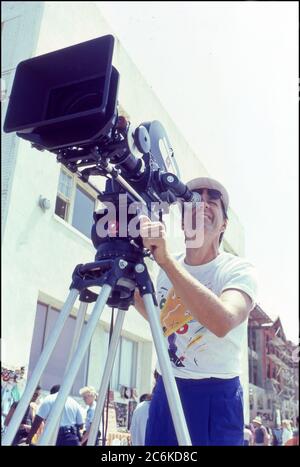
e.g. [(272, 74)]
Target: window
[(269, 404), (252, 338), (84, 206), (255, 378), (75, 204), (63, 199), (124, 370), (45, 320), (127, 371), (260, 403), (251, 401), (254, 341)]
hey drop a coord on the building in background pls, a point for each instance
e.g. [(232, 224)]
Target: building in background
[(273, 371), (47, 216)]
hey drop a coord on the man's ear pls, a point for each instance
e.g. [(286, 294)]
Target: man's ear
[(224, 226)]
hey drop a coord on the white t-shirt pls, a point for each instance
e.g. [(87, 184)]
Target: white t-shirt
[(247, 434), (138, 423), (194, 351), (72, 414)]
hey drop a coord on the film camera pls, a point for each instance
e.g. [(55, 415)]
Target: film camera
[(66, 102)]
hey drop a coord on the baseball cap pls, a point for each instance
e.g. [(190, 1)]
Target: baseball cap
[(212, 184)]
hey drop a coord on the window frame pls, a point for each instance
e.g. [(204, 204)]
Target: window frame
[(76, 183), (48, 307), (61, 195), (134, 364), (133, 375)]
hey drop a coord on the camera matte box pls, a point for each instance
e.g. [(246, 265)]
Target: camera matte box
[(63, 91)]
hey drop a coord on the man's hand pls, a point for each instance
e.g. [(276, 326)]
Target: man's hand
[(154, 239)]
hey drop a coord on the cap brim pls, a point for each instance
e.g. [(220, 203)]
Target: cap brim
[(212, 184)]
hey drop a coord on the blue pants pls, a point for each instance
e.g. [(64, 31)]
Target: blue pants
[(213, 411), (67, 436)]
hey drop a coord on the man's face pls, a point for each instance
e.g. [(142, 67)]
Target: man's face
[(88, 398), (213, 217)]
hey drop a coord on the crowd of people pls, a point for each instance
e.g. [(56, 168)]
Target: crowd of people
[(259, 434), (74, 425), (255, 433)]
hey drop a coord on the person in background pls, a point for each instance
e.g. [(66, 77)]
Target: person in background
[(248, 436), (140, 418), (139, 421), (89, 395), (70, 423), (270, 434), (287, 432), (27, 420), (294, 441), (277, 436), (261, 437)]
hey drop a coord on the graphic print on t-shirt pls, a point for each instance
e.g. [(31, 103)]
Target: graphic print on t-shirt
[(176, 322)]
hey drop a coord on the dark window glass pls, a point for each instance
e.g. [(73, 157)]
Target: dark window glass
[(45, 320), (61, 208)]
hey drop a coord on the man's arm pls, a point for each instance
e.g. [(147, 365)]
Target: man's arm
[(35, 426), (218, 314), (85, 437), (266, 436)]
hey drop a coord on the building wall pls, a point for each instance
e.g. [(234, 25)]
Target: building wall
[(40, 249), (268, 398), (16, 19)]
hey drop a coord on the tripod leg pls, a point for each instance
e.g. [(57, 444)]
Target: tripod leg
[(106, 376), (39, 369), (78, 328), (75, 363), (77, 333), (173, 397)]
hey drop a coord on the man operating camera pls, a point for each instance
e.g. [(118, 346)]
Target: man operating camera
[(205, 297)]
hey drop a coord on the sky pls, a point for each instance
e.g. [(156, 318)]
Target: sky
[(227, 73)]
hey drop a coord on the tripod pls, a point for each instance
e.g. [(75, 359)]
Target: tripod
[(118, 278)]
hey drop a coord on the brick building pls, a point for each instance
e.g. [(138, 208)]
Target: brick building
[(273, 370)]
